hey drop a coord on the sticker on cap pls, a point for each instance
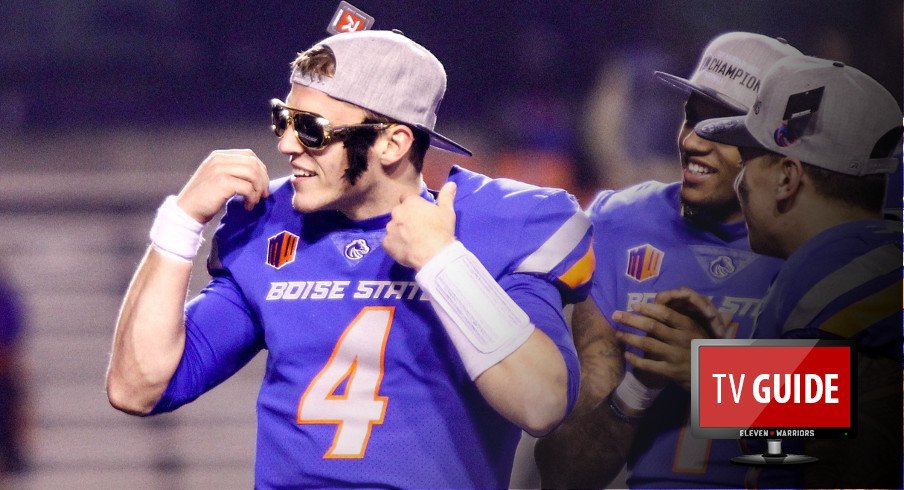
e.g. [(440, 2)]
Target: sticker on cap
[(799, 111), (349, 18)]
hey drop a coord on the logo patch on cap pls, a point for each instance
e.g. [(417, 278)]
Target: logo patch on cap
[(349, 18), (783, 137), (644, 262), (281, 249)]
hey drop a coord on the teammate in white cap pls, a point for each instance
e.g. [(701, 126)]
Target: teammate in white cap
[(817, 147), (649, 240), (411, 335)]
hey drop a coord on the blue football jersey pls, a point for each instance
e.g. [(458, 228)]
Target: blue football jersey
[(843, 283), (644, 246), (363, 387)]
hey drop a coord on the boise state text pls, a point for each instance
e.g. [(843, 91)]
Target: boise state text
[(736, 306), (318, 290)]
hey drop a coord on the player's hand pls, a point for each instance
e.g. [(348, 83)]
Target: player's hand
[(419, 229), (222, 175), (670, 323), (701, 309)]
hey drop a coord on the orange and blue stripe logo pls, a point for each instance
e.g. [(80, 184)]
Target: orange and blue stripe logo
[(644, 262), (281, 249)]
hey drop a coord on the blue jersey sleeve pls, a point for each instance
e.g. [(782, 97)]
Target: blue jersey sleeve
[(561, 250), (537, 231), (542, 303), (603, 289), (221, 336)]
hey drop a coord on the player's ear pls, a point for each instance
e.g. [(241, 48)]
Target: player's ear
[(789, 172), (398, 140)]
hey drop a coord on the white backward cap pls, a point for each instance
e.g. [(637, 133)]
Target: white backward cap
[(387, 73), (820, 112), (732, 67)]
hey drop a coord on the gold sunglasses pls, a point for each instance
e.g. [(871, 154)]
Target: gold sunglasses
[(313, 131)]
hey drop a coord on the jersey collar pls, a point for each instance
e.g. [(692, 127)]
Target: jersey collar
[(337, 220)]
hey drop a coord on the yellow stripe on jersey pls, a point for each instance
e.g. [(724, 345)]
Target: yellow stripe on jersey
[(879, 261), (851, 320), (581, 271)]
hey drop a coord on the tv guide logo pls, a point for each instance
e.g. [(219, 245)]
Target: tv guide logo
[(761, 390)]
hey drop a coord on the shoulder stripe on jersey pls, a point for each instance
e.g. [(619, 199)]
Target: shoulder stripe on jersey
[(582, 270), (558, 246), (856, 317), (858, 272)]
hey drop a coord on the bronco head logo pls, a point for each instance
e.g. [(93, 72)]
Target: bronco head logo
[(357, 249)]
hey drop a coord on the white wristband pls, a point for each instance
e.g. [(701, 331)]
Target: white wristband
[(635, 395), (484, 323), (174, 232)]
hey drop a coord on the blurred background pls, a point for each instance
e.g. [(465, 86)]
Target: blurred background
[(108, 106)]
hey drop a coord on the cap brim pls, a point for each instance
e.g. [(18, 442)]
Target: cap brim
[(727, 130), (444, 143), (686, 87)]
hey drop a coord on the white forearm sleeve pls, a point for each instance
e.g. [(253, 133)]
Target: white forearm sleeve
[(484, 323)]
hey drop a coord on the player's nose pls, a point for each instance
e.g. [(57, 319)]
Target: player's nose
[(690, 142), (289, 144)]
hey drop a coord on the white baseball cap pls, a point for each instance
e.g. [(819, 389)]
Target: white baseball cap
[(387, 73), (731, 68), (821, 112)]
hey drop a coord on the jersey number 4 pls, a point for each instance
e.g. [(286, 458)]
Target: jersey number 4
[(346, 391)]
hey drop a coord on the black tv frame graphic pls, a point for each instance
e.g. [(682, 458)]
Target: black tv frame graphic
[(733, 432)]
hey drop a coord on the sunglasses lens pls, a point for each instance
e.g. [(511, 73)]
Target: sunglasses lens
[(309, 130), (279, 119)]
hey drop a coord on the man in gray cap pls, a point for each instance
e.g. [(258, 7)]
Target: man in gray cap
[(649, 240), (411, 335), (817, 148)]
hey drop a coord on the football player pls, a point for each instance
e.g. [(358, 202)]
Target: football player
[(411, 335), (817, 151), (651, 240)]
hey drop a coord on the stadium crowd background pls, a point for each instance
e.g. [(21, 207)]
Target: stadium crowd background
[(108, 106)]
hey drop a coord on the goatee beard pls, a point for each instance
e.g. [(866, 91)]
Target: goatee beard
[(709, 213)]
